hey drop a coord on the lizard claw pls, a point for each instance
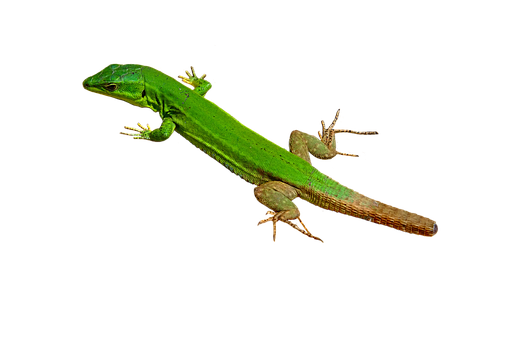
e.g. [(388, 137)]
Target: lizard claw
[(327, 136), (143, 133), (346, 154), (329, 133), (276, 217), (192, 78)]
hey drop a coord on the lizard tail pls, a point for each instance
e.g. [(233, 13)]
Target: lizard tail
[(351, 203)]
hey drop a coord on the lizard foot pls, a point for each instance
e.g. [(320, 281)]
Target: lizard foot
[(327, 134), (276, 217), (143, 133), (192, 79)]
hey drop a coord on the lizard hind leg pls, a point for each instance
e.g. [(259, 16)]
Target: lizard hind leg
[(278, 196), (324, 147)]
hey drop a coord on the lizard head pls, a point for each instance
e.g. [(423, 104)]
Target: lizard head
[(123, 82)]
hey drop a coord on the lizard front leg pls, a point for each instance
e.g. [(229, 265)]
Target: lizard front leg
[(158, 135), (301, 144), (278, 197), (200, 85)]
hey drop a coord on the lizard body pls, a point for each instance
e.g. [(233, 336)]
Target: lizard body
[(280, 175)]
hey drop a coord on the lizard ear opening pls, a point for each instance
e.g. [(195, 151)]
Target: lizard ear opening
[(143, 93)]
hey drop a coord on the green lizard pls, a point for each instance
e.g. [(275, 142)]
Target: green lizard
[(279, 175)]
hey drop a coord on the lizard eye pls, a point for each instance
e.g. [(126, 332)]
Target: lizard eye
[(110, 87)]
